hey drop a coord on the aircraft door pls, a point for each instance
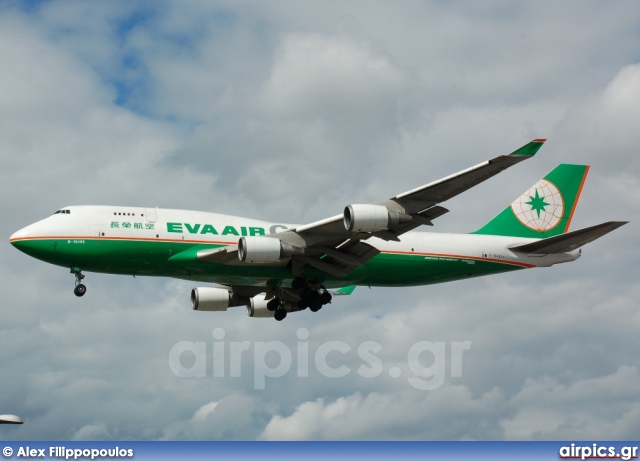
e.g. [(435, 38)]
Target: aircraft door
[(151, 214)]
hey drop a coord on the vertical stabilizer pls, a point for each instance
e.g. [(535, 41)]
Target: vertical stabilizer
[(545, 209)]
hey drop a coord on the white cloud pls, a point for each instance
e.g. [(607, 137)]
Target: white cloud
[(319, 76), (205, 410), (602, 127), (398, 415), (288, 113), (547, 409), (97, 431), (601, 407)]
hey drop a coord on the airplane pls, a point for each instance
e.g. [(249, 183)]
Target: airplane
[(274, 269)]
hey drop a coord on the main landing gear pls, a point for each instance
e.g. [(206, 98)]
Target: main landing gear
[(312, 296), (276, 305), (80, 288)]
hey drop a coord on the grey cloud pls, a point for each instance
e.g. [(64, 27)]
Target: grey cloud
[(289, 113)]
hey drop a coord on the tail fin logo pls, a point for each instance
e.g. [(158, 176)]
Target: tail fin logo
[(541, 207)]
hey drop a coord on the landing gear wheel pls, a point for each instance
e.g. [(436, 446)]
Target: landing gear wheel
[(307, 294), (303, 304), (280, 315), (273, 304), (316, 305), (325, 297), (80, 290)]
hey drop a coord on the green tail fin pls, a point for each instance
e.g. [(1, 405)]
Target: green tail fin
[(545, 209)]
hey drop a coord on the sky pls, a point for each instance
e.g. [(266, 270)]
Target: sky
[(288, 111)]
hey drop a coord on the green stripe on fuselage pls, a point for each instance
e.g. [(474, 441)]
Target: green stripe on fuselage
[(151, 257)]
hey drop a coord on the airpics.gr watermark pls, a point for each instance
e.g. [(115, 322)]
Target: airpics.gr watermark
[(274, 359)]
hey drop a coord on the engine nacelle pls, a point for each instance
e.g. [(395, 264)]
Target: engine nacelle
[(372, 218), (258, 307), (210, 299), (265, 250)]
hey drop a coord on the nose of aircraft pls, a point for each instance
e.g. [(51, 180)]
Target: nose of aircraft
[(42, 240), (17, 238), (26, 240)]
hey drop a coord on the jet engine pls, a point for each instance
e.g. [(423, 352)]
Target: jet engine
[(258, 307), (265, 250), (372, 218), (210, 299)]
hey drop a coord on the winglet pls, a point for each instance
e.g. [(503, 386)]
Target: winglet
[(528, 150)]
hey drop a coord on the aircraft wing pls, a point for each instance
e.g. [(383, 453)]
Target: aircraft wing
[(426, 196), (335, 245), (419, 203)]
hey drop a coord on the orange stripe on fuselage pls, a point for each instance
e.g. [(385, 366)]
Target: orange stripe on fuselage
[(138, 239), (475, 258)]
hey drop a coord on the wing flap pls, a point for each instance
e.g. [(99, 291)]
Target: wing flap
[(425, 217), (323, 266), (569, 241)]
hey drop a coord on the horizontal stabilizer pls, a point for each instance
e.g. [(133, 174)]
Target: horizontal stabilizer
[(569, 241)]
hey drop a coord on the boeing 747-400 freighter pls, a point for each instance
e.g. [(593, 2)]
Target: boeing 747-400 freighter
[(274, 269)]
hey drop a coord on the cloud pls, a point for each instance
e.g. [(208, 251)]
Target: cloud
[(384, 416), (230, 418), (602, 125), (548, 409), (318, 76), (288, 113), (542, 409)]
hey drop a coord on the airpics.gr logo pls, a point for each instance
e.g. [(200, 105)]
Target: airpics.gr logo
[(541, 207)]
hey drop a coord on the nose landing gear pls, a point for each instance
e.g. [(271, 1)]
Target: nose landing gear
[(80, 288)]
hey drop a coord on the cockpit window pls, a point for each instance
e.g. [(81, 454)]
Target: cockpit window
[(63, 212)]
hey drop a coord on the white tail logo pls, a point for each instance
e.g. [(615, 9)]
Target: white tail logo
[(541, 207)]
